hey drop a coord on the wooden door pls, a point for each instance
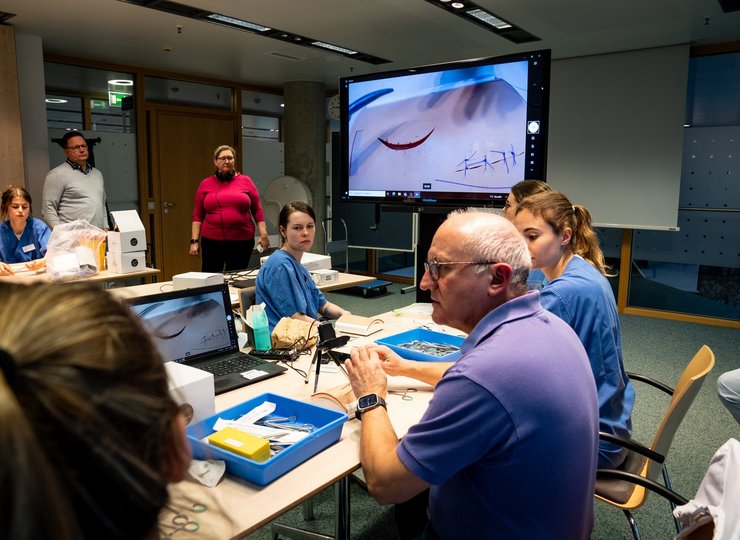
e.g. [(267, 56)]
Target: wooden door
[(183, 156)]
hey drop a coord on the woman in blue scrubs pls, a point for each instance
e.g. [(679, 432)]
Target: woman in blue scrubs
[(565, 247), (283, 283), (23, 239)]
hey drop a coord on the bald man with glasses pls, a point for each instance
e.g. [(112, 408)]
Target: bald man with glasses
[(75, 189), (508, 444)]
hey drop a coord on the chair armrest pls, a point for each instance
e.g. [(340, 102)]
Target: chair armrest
[(632, 445), (652, 382), (615, 474)]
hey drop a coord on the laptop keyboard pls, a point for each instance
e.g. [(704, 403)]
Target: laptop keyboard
[(233, 364)]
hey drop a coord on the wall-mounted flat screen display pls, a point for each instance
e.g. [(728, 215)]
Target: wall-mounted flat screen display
[(445, 135)]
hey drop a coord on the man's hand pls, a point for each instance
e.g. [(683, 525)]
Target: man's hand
[(391, 363), (366, 373), (394, 365)]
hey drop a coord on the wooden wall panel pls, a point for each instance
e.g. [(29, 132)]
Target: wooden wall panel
[(11, 144)]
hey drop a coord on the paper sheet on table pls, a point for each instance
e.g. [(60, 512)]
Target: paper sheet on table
[(417, 308)]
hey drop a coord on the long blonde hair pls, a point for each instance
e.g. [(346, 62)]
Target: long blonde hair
[(558, 212), (86, 420)]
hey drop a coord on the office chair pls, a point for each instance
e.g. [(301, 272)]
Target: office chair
[(247, 298), (628, 486)]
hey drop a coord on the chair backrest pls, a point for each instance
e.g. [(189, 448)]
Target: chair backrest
[(247, 298), (683, 396)]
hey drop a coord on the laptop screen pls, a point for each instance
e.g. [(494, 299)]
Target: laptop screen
[(188, 324)]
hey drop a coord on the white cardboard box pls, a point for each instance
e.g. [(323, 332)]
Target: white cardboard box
[(324, 276), (130, 235), (124, 263), (192, 386), (311, 261), (190, 280)]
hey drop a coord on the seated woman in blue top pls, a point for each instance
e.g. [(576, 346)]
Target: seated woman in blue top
[(23, 239), (283, 283), (565, 247)]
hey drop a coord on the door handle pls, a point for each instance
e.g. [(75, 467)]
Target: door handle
[(167, 205)]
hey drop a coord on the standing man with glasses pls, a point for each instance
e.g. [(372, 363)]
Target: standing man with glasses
[(508, 443), (75, 189)]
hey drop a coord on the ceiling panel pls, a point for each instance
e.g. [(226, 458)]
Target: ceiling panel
[(407, 32)]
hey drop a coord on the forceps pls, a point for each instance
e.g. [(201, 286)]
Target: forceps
[(404, 393)]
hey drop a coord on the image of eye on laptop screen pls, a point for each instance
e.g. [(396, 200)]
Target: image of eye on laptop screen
[(196, 327), (186, 326)]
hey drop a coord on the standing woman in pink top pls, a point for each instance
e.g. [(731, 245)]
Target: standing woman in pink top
[(226, 207)]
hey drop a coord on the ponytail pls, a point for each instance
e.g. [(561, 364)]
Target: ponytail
[(585, 241)]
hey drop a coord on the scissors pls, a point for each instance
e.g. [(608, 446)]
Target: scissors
[(404, 393), (182, 522)]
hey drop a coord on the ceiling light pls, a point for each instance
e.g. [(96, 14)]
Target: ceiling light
[(55, 100), (232, 21), (121, 82), (331, 47), (488, 18), (472, 12)]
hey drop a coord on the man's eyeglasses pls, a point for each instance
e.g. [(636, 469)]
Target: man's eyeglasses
[(77, 148), (433, 266), (225, 158)]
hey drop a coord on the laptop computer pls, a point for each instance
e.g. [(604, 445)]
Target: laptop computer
[(196, 327)]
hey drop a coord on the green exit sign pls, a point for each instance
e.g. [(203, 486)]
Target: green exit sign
[(115, 99)]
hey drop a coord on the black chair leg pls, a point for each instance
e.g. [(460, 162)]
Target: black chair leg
[(667, 482), (633, 524)]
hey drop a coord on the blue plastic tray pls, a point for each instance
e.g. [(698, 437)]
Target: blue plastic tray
[(422, 334), (329, 424)]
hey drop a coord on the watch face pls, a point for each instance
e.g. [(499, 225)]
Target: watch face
[(370, 400)]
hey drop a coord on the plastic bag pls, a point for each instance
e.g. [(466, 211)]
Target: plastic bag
[(75, 249)]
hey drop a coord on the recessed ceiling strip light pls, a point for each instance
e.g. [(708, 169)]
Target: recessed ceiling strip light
[(331, 47), (232, 21), (488, 19)]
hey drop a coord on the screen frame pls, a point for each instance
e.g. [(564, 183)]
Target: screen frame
[(538, 97)]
